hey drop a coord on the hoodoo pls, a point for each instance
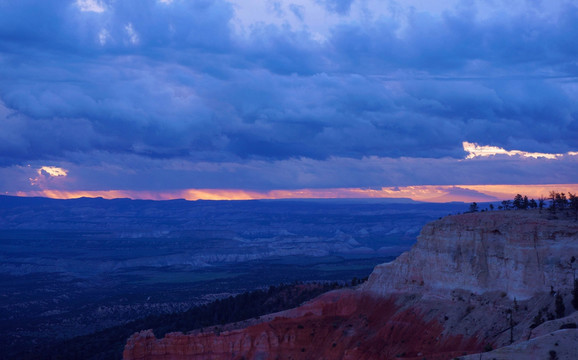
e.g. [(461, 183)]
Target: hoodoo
[(472, 283)]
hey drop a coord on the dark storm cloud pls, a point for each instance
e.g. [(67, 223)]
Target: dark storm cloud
[(176, 81), (436, 44), (61, 25), (133, 172)]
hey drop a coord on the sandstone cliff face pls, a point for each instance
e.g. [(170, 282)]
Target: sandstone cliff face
[(517, 252), (561, 344)]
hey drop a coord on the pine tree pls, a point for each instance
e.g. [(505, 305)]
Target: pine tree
[(560, 308), (541, 202), (553, 204), (518, 201), (575, 295), (573, 204), (525, 202), (474, 207)]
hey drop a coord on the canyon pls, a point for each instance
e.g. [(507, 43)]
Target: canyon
[(73, 268), (481, 285)]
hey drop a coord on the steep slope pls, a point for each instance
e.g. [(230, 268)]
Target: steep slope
[(338, 325), (471, 282)]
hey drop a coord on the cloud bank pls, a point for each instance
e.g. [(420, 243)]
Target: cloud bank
[(285, 94)]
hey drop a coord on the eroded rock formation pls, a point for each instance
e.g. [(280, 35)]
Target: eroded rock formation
[(471, 282), (517, 252), (338, 325)]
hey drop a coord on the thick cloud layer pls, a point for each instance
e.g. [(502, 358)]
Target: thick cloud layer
[(83, 81)]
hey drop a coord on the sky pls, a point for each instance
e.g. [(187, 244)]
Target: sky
[(242, 99)]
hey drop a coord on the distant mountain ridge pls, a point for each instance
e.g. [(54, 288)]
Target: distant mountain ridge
[(87, 213)]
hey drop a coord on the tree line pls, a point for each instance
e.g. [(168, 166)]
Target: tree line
[(557, 202)]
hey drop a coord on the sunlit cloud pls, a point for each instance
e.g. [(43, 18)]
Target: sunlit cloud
[(475, 150), (425, 193), (52, 171), (45, 173), (91, 6)]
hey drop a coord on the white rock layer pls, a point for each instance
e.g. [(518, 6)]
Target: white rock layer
[(518, 252)]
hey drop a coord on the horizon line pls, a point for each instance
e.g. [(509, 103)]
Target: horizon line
[(421, 193)]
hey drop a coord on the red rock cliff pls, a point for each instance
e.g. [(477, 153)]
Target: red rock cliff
[(338, 325)]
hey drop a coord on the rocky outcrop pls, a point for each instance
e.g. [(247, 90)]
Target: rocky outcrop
[(470, 282), (561, 344), (338, 325), (518, 252)]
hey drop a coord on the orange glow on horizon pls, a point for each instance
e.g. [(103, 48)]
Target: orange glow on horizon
[(425, 193)]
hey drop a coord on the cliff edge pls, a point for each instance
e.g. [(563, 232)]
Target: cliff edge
[(520, 253)]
